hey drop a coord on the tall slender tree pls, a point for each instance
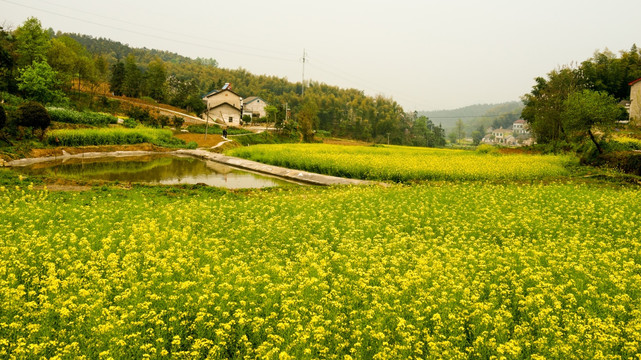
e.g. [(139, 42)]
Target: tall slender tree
[(32, 42)]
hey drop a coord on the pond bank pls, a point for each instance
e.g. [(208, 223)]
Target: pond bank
[(288, 174)]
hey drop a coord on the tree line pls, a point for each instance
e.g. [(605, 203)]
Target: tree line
[(43, 65), (581, 102)]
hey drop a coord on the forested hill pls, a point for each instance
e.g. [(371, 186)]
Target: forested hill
[(475, 115), (181, 81), (115, 50)]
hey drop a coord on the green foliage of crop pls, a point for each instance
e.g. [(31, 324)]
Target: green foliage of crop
[(81, 117), (404, 164), (112, 136), (267, 137), (451, 270), (216, 129), (623, 143)]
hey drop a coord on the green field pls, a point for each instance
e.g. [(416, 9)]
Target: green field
[(113, 136), (454, 270), (404, 164)]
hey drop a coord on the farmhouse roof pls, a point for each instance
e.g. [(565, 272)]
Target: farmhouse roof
[(224, 103), (520, 121), (214, 92), (253, 98), (635, 81)]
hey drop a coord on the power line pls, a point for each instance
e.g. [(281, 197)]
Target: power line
[(151, 35), (352, 80), (164, 30), (465, 116)]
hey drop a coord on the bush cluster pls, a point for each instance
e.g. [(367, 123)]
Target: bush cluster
[(145, 117)]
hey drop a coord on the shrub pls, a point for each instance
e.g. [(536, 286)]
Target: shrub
[(148, 99), (34, 115), (163, 120), (487, 149), (626, 161), (177, 121), (130, 123), (140, 114)]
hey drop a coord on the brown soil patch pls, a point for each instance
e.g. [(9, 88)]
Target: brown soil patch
[(212, 140), (55, 187), (57, 151)]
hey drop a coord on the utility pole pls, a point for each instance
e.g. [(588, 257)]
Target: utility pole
[(286, 111), (302, 93)]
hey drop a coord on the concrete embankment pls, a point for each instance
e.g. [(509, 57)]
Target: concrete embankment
[(289, 174)]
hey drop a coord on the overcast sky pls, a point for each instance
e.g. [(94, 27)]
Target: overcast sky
[(426, 55)]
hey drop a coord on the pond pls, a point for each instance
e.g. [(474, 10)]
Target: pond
[(153, 169)]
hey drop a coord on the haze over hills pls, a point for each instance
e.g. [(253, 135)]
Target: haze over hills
[(476, 115)]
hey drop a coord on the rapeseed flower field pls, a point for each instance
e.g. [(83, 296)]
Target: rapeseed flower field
[(548, 270), (404, 164)]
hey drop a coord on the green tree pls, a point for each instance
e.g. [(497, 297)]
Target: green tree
[(607, 72), (7, 61), (307, 117), (478, 134), (452, 136), (271, 112), (117, 78), (460, 129), (34, 115), (63, 60), (545, 104), (3, 117), (589, 110), (156, 78), (195, 104), (3, 124), (133, 80), (32, 42), (39, 82)]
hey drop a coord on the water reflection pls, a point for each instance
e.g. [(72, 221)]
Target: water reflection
[(155, 169)]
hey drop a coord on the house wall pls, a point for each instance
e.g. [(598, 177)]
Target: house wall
[(227, 114), (225, 96), (635, 103), (256, 106)]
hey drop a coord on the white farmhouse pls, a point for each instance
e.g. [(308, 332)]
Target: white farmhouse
[(520, 127), (254, 106), (224, 106)]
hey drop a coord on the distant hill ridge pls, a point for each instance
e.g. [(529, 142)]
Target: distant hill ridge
[(474, 115)]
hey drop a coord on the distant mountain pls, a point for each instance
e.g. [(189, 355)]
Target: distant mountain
[(474, 115)]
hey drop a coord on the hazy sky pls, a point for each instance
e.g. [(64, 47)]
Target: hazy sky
[(427, 55)]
